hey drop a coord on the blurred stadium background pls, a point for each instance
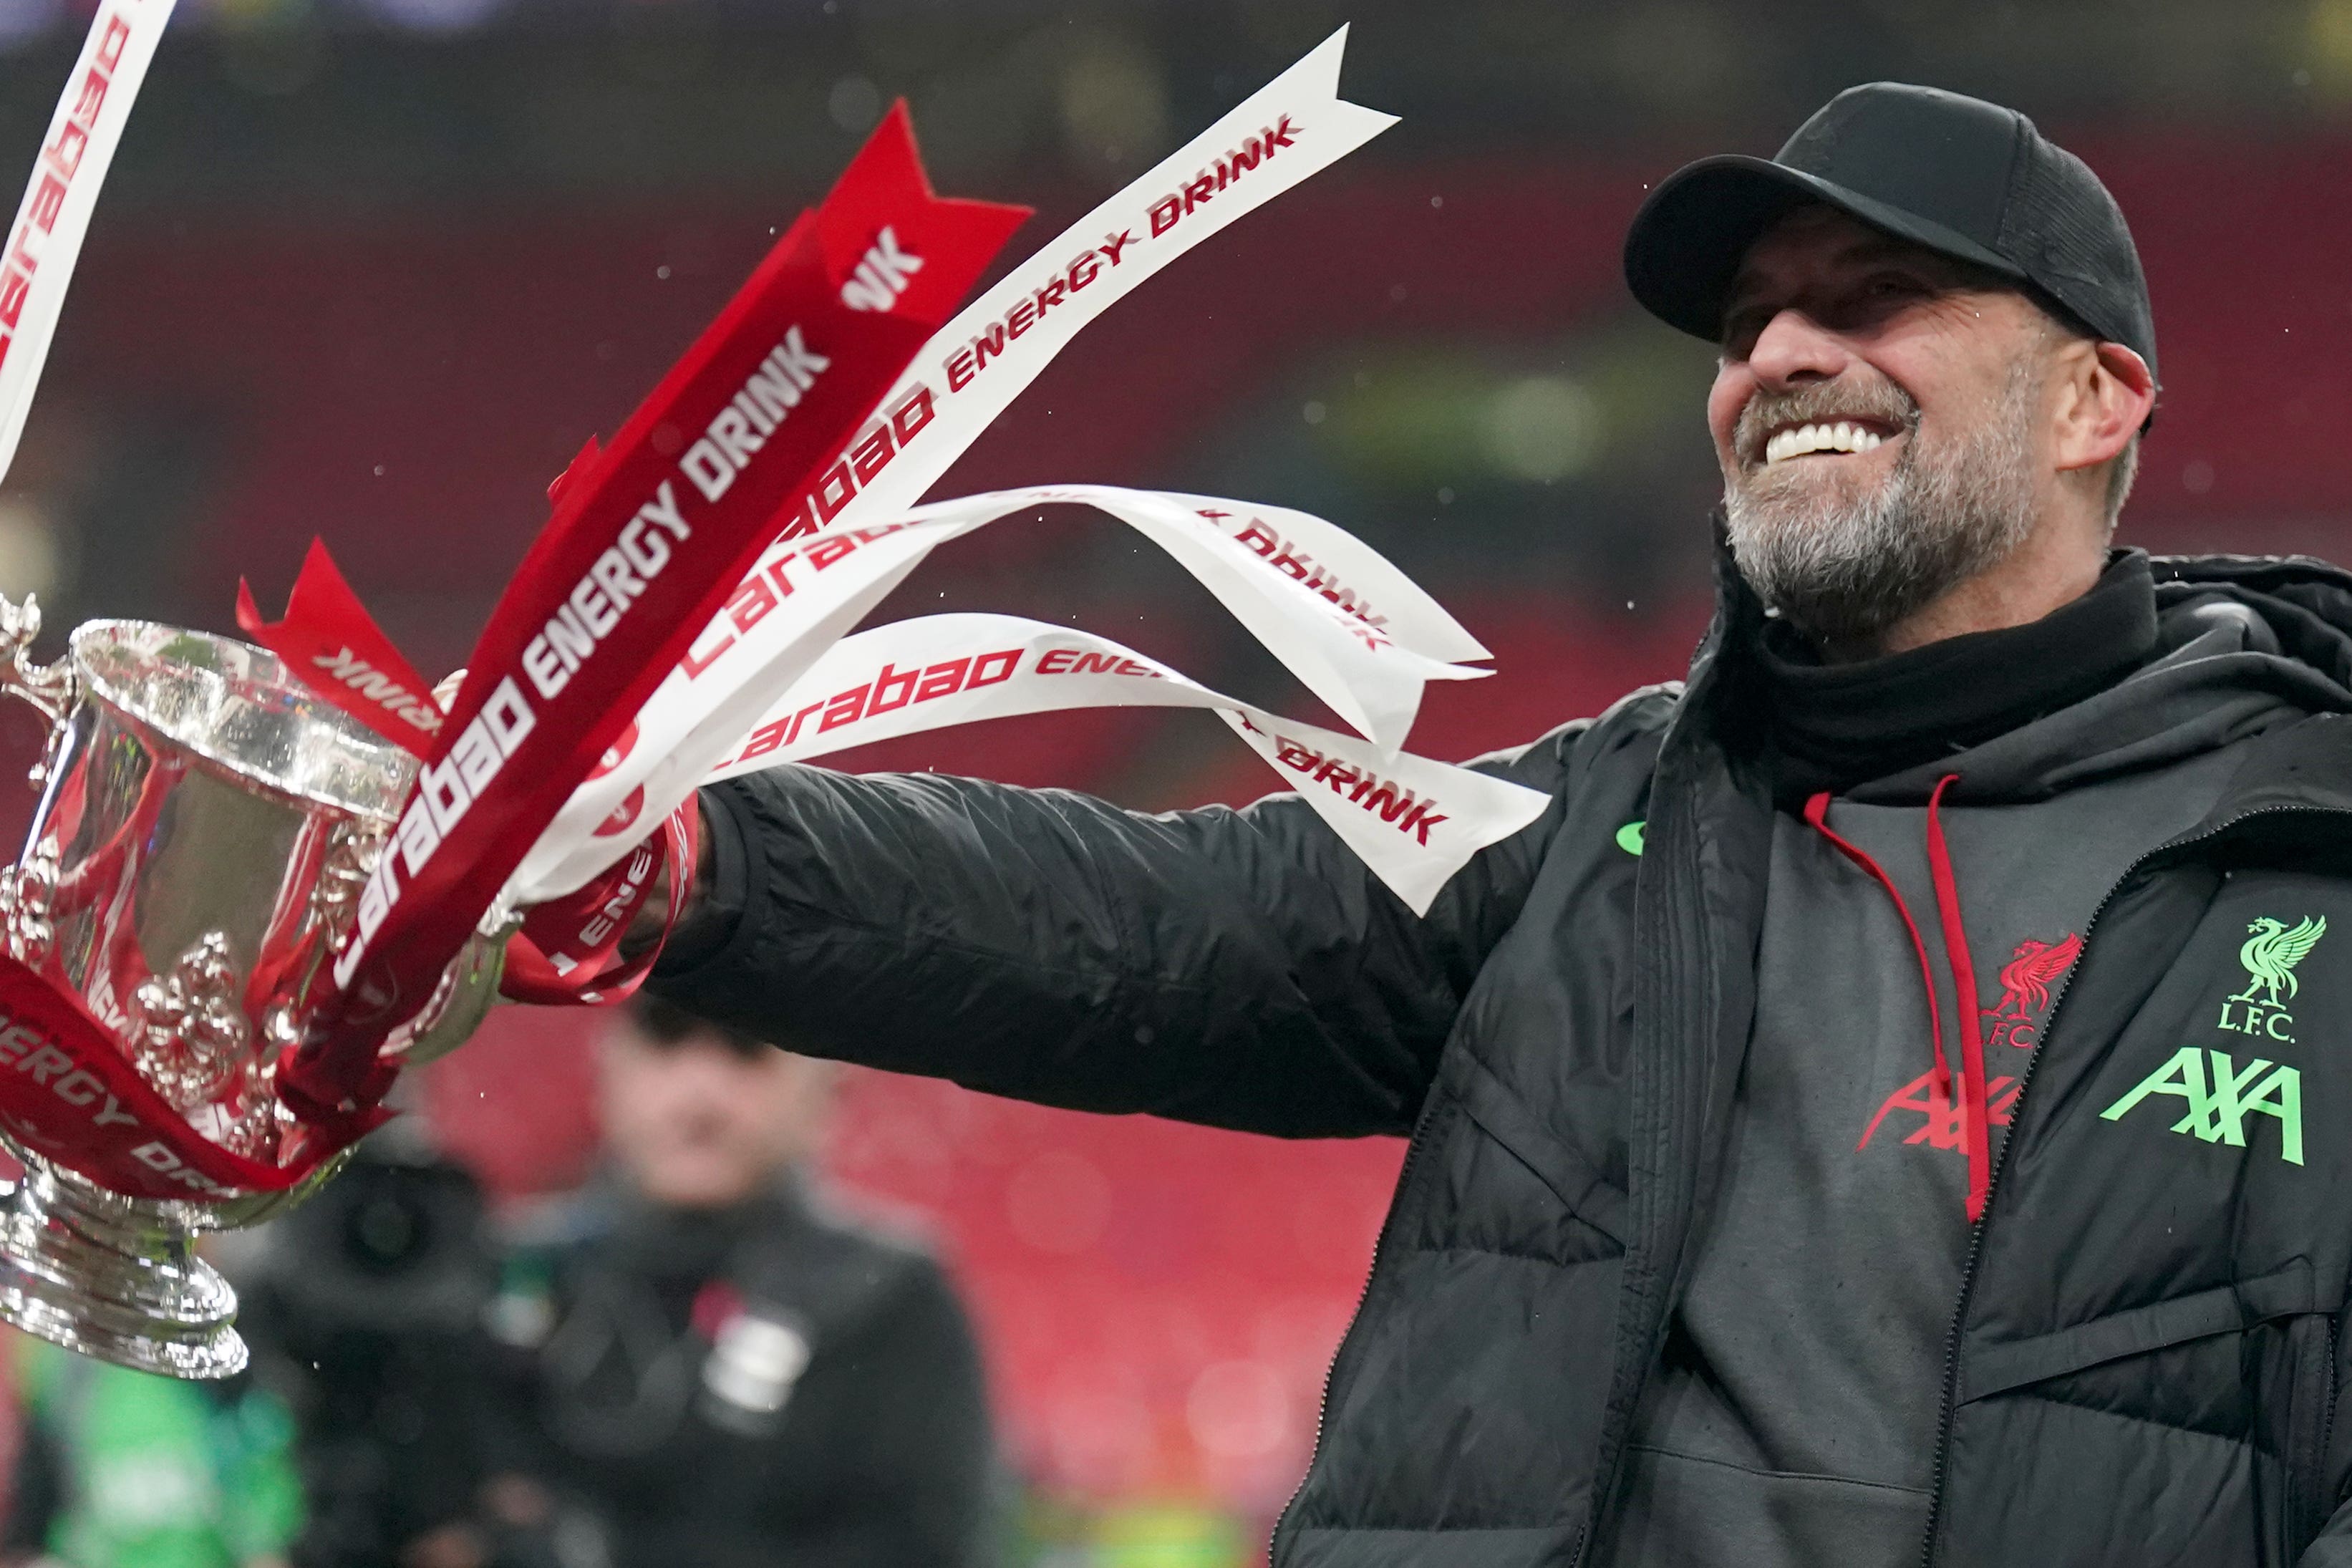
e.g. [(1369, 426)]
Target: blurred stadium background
[(372, 269)]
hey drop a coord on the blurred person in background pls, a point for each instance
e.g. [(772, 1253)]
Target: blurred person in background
[(1699, 1256), (706, 1363), (118, 1469)]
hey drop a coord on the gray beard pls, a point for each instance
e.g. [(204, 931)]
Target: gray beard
[(1843, 565)]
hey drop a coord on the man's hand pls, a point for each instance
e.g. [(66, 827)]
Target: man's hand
[(653, 916)]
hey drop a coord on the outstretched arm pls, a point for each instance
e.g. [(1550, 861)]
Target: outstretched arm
[(1238, 968)]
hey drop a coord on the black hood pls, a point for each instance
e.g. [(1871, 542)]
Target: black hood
[(2171, 656), (2305, 603), (2243, 646)]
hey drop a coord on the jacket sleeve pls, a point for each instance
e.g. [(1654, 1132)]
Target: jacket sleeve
[(1240, 968)]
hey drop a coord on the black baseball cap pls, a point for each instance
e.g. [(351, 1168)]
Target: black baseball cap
[(1958, 175)]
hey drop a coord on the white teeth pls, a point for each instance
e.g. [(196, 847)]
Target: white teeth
[(1841, 436)]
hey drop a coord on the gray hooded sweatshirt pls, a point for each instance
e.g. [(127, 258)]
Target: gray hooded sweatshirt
[(1794, 1421)]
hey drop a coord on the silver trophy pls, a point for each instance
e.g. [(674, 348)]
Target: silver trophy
[(205, 827)]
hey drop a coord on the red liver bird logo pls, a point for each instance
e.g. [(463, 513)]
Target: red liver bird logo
[(2025, 983)]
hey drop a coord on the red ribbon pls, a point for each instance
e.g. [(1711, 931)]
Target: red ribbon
[(330, 643), (68, 1093), (649, 536), (567, 951)]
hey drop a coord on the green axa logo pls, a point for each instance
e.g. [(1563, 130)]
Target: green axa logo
[(2221, 1100)]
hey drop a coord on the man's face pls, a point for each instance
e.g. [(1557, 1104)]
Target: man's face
[(697, 1124), (1881, 416)]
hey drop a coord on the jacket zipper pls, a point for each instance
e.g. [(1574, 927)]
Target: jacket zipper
[(2328, 1422), (2017, 1125)]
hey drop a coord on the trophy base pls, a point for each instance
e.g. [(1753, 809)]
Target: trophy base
[(112, 1277)]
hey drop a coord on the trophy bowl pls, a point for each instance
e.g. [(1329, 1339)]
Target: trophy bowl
[(204, 829)]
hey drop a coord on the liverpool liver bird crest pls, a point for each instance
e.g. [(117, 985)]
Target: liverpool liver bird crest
[(2271, 954), (2031, 969)]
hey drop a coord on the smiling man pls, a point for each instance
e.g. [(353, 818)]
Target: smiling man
[(1834, 337), (1762, 1207)]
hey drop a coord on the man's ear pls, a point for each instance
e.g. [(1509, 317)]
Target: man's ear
[(2107, 395)]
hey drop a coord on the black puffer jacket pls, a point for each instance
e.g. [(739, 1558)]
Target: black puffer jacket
[(2145, 1359)]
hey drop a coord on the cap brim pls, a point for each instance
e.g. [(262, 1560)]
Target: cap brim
[(1685, 245)]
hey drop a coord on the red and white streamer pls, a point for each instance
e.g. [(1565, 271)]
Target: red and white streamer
[(647, 536), (1288, 131), (46, 239), (968, 374), (1414, 822), (1367, 652)]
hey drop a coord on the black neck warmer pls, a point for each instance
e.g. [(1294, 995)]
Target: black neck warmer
[(1838, 725)]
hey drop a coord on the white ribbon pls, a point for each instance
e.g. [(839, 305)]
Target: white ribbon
[(1414, 822), (1302, 104), (1344, 570), (1364, 651), (46, 239)]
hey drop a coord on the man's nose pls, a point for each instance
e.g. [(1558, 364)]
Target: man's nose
[(1794, 348)]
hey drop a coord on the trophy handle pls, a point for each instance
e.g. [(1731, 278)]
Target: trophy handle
[(467, 991), (51, 688)]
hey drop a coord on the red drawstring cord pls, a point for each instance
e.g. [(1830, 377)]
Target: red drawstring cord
[(1975, 1116), (1817, 811)]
